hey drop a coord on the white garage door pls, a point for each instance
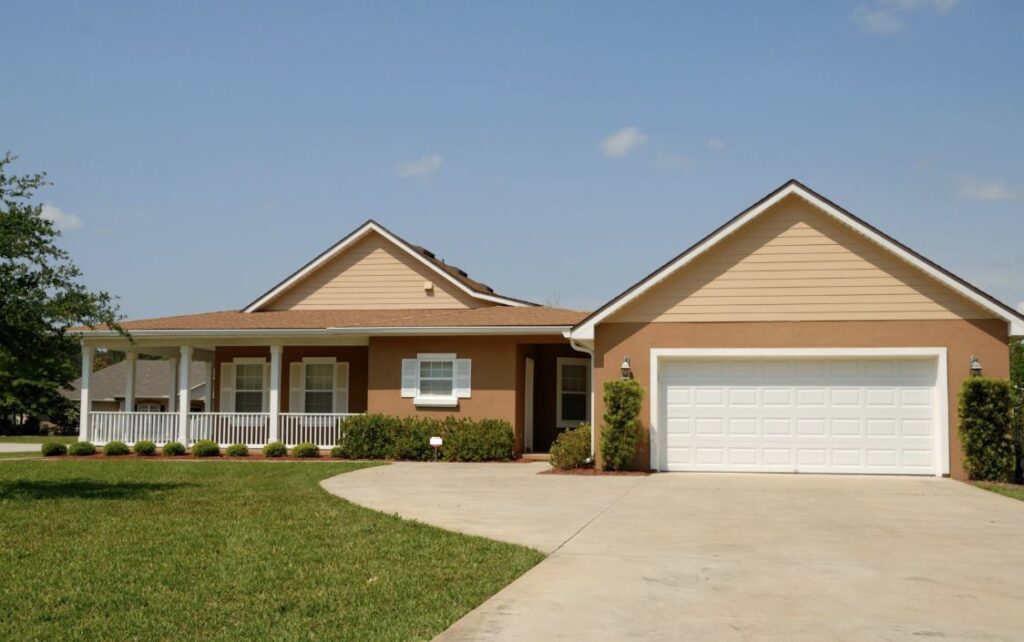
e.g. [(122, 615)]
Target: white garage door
[(799, 415)]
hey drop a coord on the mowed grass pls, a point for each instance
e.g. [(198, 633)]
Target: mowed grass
[(36, 439), (1015, 491), (138, 550)]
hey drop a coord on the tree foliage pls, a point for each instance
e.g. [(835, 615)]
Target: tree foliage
[(985, 428), (41, 297), (1017, 386), (621, 431)]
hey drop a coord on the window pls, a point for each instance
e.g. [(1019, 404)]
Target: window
[(148, 406), (437, 378), (248, 387), (573, 392), (319, 387)]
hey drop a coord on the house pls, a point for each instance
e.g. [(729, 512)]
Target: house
[(151, 383), (794, 338)]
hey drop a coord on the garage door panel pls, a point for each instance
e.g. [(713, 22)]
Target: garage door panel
[(812, 415)]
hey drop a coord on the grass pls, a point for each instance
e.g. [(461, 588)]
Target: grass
[(139, 550), (1015, 491), (36, 439)]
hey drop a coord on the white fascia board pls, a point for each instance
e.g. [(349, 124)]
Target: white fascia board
[(586, 331), (457, 330), (353, 238)]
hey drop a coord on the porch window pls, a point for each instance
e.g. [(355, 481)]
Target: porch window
[(148, 406), (319, 387), (248, 387), (573, 401)]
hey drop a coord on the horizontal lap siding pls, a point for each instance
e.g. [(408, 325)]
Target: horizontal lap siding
[(796, 264), (373, 274)]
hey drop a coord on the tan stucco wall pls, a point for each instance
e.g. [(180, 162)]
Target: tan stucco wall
[(795, 263), (962, 338), (373, 274)]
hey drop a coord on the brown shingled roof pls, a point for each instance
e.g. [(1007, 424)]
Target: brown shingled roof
[(322, 319)]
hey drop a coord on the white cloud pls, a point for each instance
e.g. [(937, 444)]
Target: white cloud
[(715, 144), (424, 166), (61, 220), (976, 190), (887, 16), (669, 160), (623, 142)]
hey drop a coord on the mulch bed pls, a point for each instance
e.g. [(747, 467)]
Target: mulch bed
[(590, 472), (252, 457)]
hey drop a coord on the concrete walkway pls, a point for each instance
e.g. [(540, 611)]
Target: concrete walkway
[(725, 557), (20, 448)]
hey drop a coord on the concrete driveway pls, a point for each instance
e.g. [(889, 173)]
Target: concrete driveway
[(725, 557), (20, 448)]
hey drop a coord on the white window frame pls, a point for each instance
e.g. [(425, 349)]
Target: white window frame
[(570, 361), (307, 361), (148, 406), (249, 361), (435, 401)]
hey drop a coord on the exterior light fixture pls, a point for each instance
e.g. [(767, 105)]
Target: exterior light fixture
[(626, 370), (975, 366)]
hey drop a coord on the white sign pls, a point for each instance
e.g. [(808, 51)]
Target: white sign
[(435, 442)]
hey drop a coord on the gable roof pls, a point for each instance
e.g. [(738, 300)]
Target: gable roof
[(451, 273), (152, 381), (584, 330)]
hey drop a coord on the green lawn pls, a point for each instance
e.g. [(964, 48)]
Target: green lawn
[(139, 550), (1015, 491), (36, 439)]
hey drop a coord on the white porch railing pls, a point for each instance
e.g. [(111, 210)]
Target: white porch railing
[(131, 427), (226, 428), (324, 430)]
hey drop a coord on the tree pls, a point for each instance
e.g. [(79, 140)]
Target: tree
[(622, 431), (1017, 387), (40, 298)]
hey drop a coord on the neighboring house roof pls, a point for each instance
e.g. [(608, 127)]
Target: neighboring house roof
[(451, 273), (359, 320), (152, 381), (584, 330)]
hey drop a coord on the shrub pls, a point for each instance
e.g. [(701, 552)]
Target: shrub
[(410, 439), (145, 448), (986, 431), (1017, 386), (81, 448), (369, 436), (306, 451), (275, 449), (205, 448), (621, 431), (54, 449), (115, 449), (477, 440), (174, 449), (237, 450), (338, 452), (572, 448)]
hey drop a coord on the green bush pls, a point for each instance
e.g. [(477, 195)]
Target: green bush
[(275, 449), (205, 448), (1017, 386), (369, 436), (174, 449), (410, 439), (621, 431), (81, 448), (145, 448), (338, 452), (986, 431), (54, 449), (477, 440), (306, 451), (237, 450), (572, 448), (115, 449)]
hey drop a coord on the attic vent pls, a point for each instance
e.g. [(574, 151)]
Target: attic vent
[(462, 272), (427, 252)]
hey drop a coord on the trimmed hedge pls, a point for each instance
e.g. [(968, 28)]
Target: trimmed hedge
[(145, 448), (237, 450), (54, 449), (115, 449), (377, 436), (306, 451), (275, 449), (174, 449), (81, 449), (205, 448), (572, 448), (621, 432), (986, 429)]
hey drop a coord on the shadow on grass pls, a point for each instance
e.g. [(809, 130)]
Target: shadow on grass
[(82, 489)]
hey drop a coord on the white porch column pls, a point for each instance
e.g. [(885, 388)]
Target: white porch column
[(184, 368), (208, 388), (129, 387), (172, 392), (84, 429), (275, 391)]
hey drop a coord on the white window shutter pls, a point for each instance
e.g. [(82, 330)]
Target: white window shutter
[(410, 377), (463, 378), (341, 386), (266, 387), (296, 383), (227, 387)]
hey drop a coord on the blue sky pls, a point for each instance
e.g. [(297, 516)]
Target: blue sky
[(559, 152)]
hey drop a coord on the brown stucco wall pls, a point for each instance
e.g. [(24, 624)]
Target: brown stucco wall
[(962, 338)]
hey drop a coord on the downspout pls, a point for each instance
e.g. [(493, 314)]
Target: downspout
[(582, 348)]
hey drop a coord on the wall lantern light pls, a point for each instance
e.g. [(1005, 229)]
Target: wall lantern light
[(975, 366), (626, 370)]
